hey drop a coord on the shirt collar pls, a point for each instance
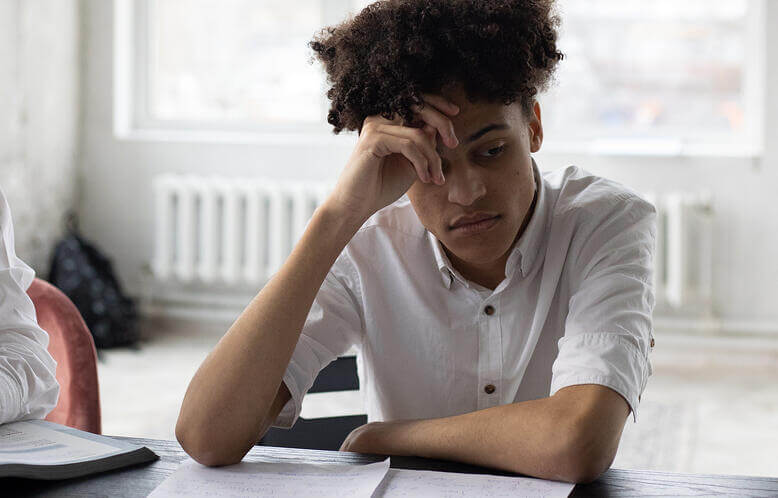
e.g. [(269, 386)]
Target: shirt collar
[(529, 244), (441, 260), (523, 253)]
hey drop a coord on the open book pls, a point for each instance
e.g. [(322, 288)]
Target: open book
[(37, 449)]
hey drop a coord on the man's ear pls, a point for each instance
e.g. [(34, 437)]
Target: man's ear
[(535, 129)]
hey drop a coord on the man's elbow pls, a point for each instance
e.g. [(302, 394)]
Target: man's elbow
[(205, 450), (584, 459), (584, 473)]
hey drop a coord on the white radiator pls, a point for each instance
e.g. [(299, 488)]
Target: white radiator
[(683, 259), (237, 232), (228, 231)]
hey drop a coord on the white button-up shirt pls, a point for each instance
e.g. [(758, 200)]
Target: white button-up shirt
[(28, 388), (574, 308)]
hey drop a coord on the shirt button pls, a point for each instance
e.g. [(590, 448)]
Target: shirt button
[(652, 342), (489, 388), (489, 310)]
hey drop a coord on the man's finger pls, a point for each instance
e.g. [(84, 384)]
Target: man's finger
[(386, 144), (425, 142), (441, 103), (430, 131), (432, 116)]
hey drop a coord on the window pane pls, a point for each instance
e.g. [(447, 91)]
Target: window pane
[(660, 69), (234, 61), (633, 69)]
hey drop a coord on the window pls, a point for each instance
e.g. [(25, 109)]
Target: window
[(228, 65), (657, 77), (232, 61), (660, 77)]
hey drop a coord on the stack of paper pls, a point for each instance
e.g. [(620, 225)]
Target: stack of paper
[(273, 479), (345, 481)]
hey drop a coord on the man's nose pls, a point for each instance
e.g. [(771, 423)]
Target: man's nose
[(465, 186)]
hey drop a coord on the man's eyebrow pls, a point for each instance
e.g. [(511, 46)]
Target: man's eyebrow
[(486, 129)]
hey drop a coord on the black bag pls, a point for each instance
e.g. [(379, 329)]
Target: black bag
[(80, 271)]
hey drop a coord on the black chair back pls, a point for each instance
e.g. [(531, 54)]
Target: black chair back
[(325, 433)]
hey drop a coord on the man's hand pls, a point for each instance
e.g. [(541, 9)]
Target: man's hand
[(383, 438), (390, 157)]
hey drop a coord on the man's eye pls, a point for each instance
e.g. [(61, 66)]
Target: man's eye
[(494, 151)]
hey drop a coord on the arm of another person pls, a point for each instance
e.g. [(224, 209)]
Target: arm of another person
[(237, 392), (28, 387), (601, 369)]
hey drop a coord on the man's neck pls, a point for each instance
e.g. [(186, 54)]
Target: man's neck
[(488, 276)]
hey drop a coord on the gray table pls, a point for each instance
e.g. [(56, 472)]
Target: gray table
[(142, 479)]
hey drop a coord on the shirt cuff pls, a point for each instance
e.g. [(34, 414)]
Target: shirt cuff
[(10, 399), (606, 359), (291, 410)]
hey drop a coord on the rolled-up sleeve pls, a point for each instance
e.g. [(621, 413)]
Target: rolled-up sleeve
[(608, 329), (334, 324), (28, 386)]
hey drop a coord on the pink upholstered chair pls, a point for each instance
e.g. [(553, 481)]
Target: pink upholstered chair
[(72, 346)]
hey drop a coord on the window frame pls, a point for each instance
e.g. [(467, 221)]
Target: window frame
[(132, 122)]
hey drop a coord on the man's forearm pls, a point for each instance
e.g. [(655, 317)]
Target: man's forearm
[(527, 437), (227, 400), (540, 438)]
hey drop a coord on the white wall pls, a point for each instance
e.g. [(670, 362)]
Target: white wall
[(39, 119), (117, 201)]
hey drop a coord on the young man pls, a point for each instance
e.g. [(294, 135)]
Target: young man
[(503, 316), (28, 387)]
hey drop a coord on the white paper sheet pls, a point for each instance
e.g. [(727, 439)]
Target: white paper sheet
[(400, 483), (42, 443), (193, 480)]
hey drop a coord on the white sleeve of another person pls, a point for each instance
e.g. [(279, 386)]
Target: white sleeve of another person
[(28, 387)]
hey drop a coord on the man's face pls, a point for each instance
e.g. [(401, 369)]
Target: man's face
[(477, 213)]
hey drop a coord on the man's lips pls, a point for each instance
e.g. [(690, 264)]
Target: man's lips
[(472, 220)]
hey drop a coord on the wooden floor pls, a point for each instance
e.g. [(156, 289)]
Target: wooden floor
[(711, 405)]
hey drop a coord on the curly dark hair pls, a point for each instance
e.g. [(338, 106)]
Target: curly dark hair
[(381, 60)]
